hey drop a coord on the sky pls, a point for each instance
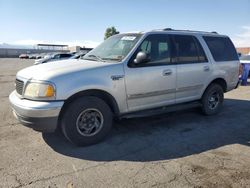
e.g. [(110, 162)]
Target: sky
[(83, 22)]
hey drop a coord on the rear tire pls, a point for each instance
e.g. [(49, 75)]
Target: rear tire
[(212, 99), (87, 121)]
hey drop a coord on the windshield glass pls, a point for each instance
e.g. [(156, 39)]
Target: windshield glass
[(246, 57), (114, 48)]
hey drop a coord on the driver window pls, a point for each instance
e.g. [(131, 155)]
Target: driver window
[(158, 49), (146, 46)]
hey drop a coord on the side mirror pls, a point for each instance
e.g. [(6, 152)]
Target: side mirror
[(141, 57)]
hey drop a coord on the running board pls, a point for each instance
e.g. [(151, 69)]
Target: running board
[(161, 110)]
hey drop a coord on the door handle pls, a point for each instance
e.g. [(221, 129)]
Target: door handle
[(167, 72), (206, 68)]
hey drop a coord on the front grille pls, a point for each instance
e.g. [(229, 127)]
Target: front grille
[(19, 86)]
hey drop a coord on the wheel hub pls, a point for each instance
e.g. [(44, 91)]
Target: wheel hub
[(213, 100), (89, 122)]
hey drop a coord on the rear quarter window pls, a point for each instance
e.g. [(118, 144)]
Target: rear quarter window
[(221, 48)]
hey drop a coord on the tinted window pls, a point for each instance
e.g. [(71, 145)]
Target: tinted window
[(65, 55), (146, 46), (57, 56), (222, 48), (201, 53), (158, 49), (188, 49)]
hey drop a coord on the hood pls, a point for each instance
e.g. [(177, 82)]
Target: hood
[(56, 68)]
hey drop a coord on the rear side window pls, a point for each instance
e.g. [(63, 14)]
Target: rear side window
[(222, 48), (201, 53), (188, 49)]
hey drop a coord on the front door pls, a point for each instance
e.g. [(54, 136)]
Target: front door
[(153, 83)]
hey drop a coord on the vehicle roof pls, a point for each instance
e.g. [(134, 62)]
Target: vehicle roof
[(175, 31)]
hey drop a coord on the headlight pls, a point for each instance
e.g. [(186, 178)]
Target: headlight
[(40, 90)]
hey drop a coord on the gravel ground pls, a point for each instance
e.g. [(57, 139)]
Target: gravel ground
[(181, 149)]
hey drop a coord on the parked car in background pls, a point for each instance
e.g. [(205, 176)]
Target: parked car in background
[(245, 59), (53, 57), (245, 62), (32, 56), (128, 75), (39, 56), (23, 56), (78, 55)]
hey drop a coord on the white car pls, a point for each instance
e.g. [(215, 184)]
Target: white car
[(53, 57), (245, 59)]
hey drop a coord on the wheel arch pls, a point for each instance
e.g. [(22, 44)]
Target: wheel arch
[(220, 81), (105, 96)]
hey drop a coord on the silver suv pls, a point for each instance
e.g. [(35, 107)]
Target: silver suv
[(128, 75)]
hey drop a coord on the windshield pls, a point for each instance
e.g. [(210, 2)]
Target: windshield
[(246, 57), (115, 48)]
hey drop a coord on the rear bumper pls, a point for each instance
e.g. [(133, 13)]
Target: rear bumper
[(39, 115), (233, 85)]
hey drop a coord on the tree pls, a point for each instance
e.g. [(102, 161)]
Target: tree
[(110, 31)]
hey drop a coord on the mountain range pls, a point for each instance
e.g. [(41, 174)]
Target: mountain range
[(6, 45)]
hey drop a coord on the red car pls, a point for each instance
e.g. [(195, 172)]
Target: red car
[(24, 56)]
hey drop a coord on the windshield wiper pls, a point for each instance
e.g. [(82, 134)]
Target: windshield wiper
[(112, 59), (97, 57)]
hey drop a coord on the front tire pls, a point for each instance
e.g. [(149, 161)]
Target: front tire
[(87, 121), (212, 99)]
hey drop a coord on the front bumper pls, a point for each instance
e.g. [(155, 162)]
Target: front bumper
[(39, 115)]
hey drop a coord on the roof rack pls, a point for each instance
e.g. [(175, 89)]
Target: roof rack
[(167, 29), (170, 29)]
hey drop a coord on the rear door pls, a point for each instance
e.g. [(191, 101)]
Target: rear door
[(193, 68)]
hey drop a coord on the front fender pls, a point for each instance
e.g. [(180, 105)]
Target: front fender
[(96, 79)]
